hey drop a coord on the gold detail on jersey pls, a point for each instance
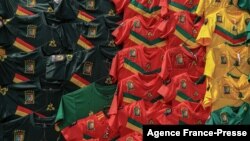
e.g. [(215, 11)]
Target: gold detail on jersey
[(87, 68), (184, 112), (52, 43), (92, 31), (199, 122), (136, 24), (29, 66), (90, 125), (111, 12), (69, 57), (226, 89), (151, 122), (247, 21), (108, 80), (148, 66), (149, 1), (29, 97), (182, 19), (90, 4), (2, 52), (137, 111), (132, 53), (219, 18), (130, 85), (31, 31), (31, 3), (129, 139), (57, 58), (183, 84), (168, 111), (248, 61), (51, 107), (3, 90), (179, 59), (91, 113), (196, 94), (50, 9), (149, 95), (150, 34), (19, 135), (224, 118), (223, 59), (112, 43)]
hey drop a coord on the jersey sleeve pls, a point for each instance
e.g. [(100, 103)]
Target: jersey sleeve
[(210, 64), (72, 133), (115, 67), (168, 92), (208, 98), (122, 31), (164, 74), (206, 32), (120, 5), (164, 7)]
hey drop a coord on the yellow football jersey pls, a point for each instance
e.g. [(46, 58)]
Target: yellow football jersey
[(224, 26), (224, 59), (206, 7), (227, 91)]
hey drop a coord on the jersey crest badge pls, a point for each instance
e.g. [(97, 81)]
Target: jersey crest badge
[(92, 31), (87, 68), (132, 53), (90, 4), (136, 24), (31, 31), (31, 3), (29, 66), (182, 19), (226, 89), (29, 97), (130, 85), (223, 59), (184, 112), (219, 18), (3, 90), (168, 111), (111, 12), (90, 125), (52, 43), (224, 118), (19, 135), (137, 111)]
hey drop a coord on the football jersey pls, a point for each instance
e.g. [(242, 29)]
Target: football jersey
[(183, 5), (182, 88), (135, 136), (30, 128), (183, 28), (224, 59), (230, 115), (150, 10), (135, 60), (131, 117), (182, 59), (244, 4), (227, 91), (93, 127), (26, 34), (135, 88), (137, 31), (21, 67), (9, 8), (207, 7), (185, 113), (224, 26), (79, 104)]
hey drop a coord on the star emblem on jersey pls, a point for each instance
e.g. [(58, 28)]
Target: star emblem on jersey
[(224, 118), (179, 59), (3, 90), (90, 124), (87, 68), (51, 107), (183, 84), (129, 139), (223, 59), (92, 31), (132, 53), (52, 43), (182, 19), (31, 31), (90, 4), (29, 66), (226, 89), (137, 111), (29, 97), (130, 85), (184, 112), (19, 135), (31, 3)]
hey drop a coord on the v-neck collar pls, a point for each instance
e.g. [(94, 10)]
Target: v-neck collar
[(243, 50), (241, 83), (154, 80)]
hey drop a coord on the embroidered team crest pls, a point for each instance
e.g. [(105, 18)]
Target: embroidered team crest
[(31, 3), (50, 107), (52, 43), (29, 66), (224, 118), (90, 124), (196, 94), (132, 53), (50, 9), (248, 61), (150, 34), (136, 24), (247, 21), (182, 19), (219, 18), (223, 59), (90, 4), (29, 97), (183, 84), (87, 68), (130, 85), (184, 112), (2, 52), (3, 90), (137, 111), (226, 89), (92, 31), (19, 135), (31, 31), (129, 139), (179, 59), (241, 95), (57, 58), (168, 111)]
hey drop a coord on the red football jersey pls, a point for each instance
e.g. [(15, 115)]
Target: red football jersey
[(182, 88), (150, 10), (131, 117), (182, 59), (185, 30), (135, 88), (134, 60), (135, 136), (137, 31), (94, 127)]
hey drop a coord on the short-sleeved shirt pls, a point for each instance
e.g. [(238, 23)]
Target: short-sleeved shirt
[(134, 60), (227, 91), (183, 5), (230, 115)]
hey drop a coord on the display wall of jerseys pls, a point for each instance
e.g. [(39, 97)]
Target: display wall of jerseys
[(74, 70)]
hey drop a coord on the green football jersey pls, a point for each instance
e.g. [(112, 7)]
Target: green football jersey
[(231, 116), (84, 102), (244, 4)]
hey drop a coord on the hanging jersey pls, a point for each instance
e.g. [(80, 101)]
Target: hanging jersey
[(224, 26), (137, 31), (182, 88), (136, 60), (93, 127), (227, 91), (183, 5), (230, 116), (181, 59), (88, 100), (21, 67), (225, 59)]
